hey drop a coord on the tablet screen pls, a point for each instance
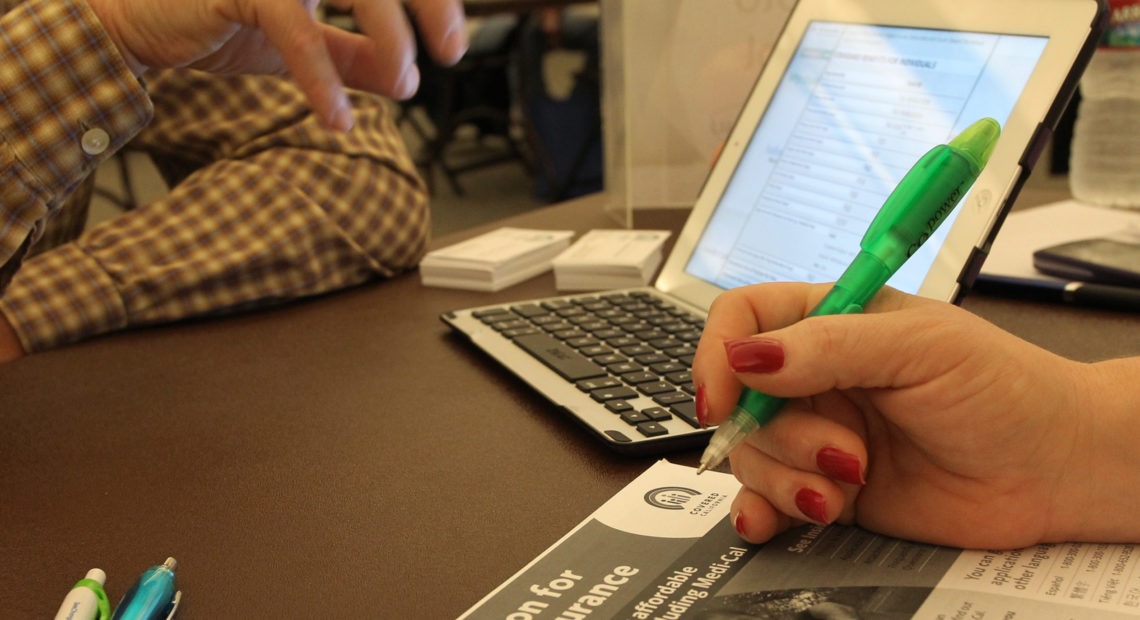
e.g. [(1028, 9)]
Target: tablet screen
[(857, 106)]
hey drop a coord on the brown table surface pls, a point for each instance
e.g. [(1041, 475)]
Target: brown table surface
[(341, 457)]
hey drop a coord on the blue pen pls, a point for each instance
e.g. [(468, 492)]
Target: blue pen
[(153, 597)]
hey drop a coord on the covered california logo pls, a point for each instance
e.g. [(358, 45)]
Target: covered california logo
[(670, 498), (668, 501)]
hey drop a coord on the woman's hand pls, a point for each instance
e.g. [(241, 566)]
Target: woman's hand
[(283, 36), (917, 419)]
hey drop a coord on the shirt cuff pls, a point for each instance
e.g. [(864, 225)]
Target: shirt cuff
[(61, 297), (68, 102)]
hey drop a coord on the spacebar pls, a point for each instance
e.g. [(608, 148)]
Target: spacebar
[(559, 357)]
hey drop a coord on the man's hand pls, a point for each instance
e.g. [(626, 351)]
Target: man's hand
[(283, 37), (10, 347)]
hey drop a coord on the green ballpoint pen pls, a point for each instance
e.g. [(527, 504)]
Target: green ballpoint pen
[(914, 210)]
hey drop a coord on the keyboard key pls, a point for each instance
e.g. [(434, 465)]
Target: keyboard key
[(489, 312), (691, 336), (651, 358), (633, 418), (589, 385), (571, 311), (611, 393), (506, 326), (637, 349), (559, 357), (619, 406), (681, 351), (556, 326), (607, 334), (657, 414), (618, 299), (583, 343), (529, 310), (556, 304), (672, 398), (665, 368), (634, 378), (592, 325), (622, 341), (622, 367), (687, 411), (569, 334), (522, 331), (649, 333), (656, 387), (652, 429)]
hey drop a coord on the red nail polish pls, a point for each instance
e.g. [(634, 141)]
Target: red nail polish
[(702, 407), (739, 523), (754, 355), (813, 505), (844, 467)]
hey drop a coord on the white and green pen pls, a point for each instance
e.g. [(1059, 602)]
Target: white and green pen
[(87, 600)]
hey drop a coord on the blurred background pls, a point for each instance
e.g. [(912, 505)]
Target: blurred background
[(518, 123)]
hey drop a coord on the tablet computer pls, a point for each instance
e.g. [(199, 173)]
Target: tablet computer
[(854, 92)]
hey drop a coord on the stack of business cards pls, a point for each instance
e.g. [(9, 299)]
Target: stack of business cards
[(607, 259), (494, 260)]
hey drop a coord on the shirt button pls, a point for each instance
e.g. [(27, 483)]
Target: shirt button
[(95, 141)]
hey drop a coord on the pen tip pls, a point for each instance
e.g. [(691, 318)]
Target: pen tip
[(702, 468)]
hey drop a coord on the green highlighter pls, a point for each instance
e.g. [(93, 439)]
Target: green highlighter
[(914, 210)]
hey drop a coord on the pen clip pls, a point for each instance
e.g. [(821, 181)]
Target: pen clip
[(174, 604)]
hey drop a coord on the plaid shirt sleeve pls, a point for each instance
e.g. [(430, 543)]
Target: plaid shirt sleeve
[(67, 102), (277, 208)]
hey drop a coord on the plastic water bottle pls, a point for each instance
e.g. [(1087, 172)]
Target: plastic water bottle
[(1104, 168)]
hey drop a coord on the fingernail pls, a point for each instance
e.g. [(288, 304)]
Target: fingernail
[(842, 466), (702, 407), (408, 83), (342, 115), (755, 354), (738, 523), (455, 43), (812, 505)]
